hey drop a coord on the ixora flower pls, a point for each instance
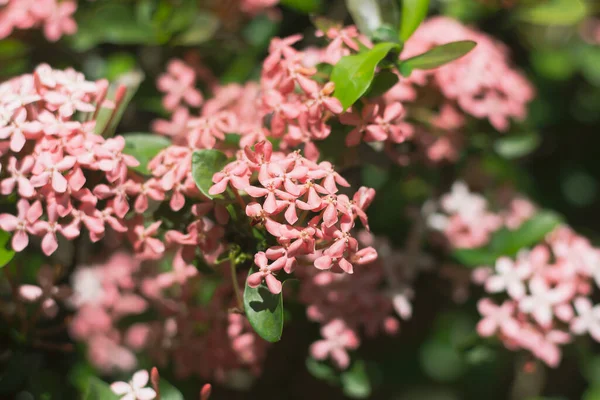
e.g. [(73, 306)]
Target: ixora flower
[(134, 389)]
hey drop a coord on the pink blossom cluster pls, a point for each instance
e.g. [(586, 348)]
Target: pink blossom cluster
[(288, 185), (51, 157), (348, 305), (482, 84), (254, 7), (55, 16), (198, 337), (467, 221), (542, 299)]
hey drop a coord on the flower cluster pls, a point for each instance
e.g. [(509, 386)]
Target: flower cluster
[(287, 185), (466, 220), (56, 17), (546, 295)]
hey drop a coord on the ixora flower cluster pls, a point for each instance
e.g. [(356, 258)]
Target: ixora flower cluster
[(541, 297), (55, 16)]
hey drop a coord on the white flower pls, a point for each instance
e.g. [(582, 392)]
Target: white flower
[(87, 287), (134, 390)]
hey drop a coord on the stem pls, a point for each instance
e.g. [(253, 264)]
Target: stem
[(234, 283), (239, 199)]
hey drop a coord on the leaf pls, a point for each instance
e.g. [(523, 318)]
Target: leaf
[(99, 390), (555, 12), (413, 13), (517, 146), (303, 6), (205, 163), (382, 82), (264, 311), (144, 147), (203, 28), (324, 24), (366, 15), (355, 381), (168, 391), (323, 371), (505, 242), (437, 56), (353, 74), (6, 253)]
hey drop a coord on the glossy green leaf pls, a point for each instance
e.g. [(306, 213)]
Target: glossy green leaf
[(264, 311), (303, 6), (355, 381), (168, 391), (413, 13), (353, 74), (6, 252), (555, 12), (437, 56), (203, 28), (144, 147), (517, 146), (205, 163), (382, 82)]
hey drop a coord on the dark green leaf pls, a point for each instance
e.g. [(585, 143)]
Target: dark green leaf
[(144, 147), (168, 391), (355, 381), (517, 146), (205, 163), (382, 82), (353, 74), (323, 371), (437, 56), (264, 311), (6, 252), (303, 6), (475, 257), (413, 13)]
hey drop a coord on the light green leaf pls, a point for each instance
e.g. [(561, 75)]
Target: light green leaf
[(6, 252), (264, 311), (303, 6), (517, 146), (202, 29), (355, 381), (555, 12), (144, 147), (99, 390), (168, 391), (205, 163), (353, 74), (413, 13), (366, 15), (437, 56)]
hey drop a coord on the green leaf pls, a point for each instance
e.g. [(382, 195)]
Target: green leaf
[(6, 252), (382, 82), (144, 147), (99, 390), (355, 381), (205, 163), (168, 391), (437, 56), (353, 74), (505, 242), (555, 12), (518, 145), (413, 13), (323, 371), (264, 311), (366, 15), (303, 6), (203, 28)]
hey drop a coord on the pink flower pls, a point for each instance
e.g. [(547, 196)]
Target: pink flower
[(49, 171), (59, 21), (337, 340), (134, 389), (145, 244), (178, 84), (588, 318), (509, 277), (266, 272), (19, 176), (543, 299), (497, 317), (22, 224)]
